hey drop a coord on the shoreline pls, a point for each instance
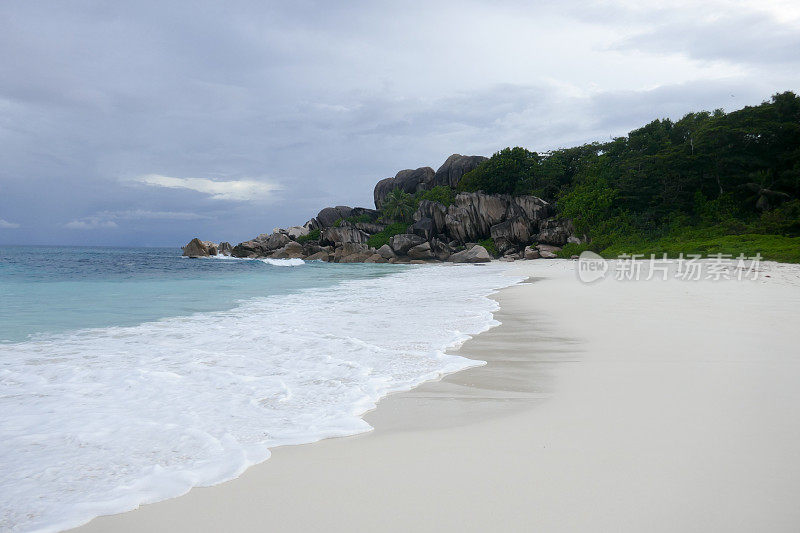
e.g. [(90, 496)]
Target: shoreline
[(581, 420)]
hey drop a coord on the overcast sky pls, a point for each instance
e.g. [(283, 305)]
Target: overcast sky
[(149, 123)]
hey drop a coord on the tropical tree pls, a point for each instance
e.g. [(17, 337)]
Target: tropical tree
[(399, 205)]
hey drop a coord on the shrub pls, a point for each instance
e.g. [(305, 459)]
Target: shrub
[(490, 246), (363, 217), (441, 193), (572, 248), (379, 239), (311, 236)]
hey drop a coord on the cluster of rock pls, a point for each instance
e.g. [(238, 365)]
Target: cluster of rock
[(198, 248), (521, 227)]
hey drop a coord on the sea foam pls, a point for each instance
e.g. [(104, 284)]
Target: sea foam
[(284, 262), (99, 421)]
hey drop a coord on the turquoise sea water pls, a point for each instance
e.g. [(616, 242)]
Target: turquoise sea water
[(132, 375), (57, 289)]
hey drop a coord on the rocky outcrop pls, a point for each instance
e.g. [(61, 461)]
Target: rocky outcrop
[(421, 251), (290, 250), (373, 214), (519, 226), (548, 251), (225, 248), (454, 168), (261, 246), (297, 231), (343, 234), (351, 252), (376, 258), (370, 228), (434, 211), (386, 252), (402, 243), (440, 249), (328, 216), (198, 248), (409, 181), (531, 252), (476, 254), (556, 232), (319, 256), (422, 228), (477, 216)]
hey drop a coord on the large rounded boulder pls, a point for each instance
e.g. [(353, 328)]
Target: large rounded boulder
[(408, 180), (454, 168), (328, 216)]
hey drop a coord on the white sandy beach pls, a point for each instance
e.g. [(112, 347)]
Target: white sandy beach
[(616, 406)]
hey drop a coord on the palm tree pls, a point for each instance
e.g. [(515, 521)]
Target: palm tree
[(399, 205), (764, 197)]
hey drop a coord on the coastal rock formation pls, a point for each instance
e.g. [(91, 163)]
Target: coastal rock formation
[(290, 250), (343, 234), (225, 248), (421, 251), (476, 254), (386, 251), (547, 251), (474, 216), (198, 248), (531, 252), (328, 216), (297, 231), (351, 252), (408, 180), (422, 228), (557, 232), (454, 168), (402, 243), (261, 246), (319, 256), (513, 226), (436, 212)]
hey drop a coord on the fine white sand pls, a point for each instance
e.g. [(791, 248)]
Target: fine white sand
[(616, 406)]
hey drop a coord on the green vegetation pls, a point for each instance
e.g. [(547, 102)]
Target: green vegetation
[(711, 182), (311, 236), (379, 239), (490, 247), (441, 193), (398, 206), (712, 241)]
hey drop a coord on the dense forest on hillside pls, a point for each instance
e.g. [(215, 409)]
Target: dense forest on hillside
[(710, 182)]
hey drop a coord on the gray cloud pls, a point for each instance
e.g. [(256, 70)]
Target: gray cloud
[(749, 38), (307, 104), (5, 224)]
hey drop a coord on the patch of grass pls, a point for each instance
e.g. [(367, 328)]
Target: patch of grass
[(771, 247), (490, 246), (379, 239), (311, 236), (571, 249)]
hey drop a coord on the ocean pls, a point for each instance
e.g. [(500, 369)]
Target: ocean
[(130, 375)]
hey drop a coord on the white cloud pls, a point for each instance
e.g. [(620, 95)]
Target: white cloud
[(143, 214), (5, 224), (107, 219), (236, 190), (91, 223)]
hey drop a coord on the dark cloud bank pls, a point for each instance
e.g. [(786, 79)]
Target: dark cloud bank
[(150, 123)]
